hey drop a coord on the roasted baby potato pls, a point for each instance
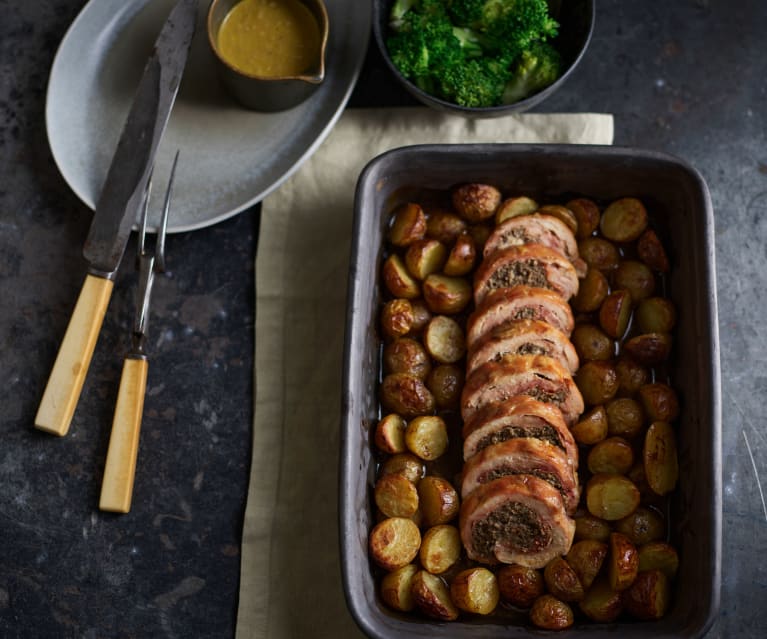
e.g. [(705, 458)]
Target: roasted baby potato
[(631, 375), (649, 349), (586, 557), (421, 315), (479, 233), (444, 225), (592, 291), (406, 355), (397, 317), (658, 555), (651, 251), (563, 214), (587, 526), (636, 278), (462, 256), (408, 224), (550, 613), (562, 581), (602, 603), (398, 280), (438, 499), (656, 315), (396, 496), (615, 313), (515, 206), (396, 588), (394, 542), (599, 254), (597, 381), (432, 597), (440, 548), (592, 427), (649, 595), (475, 590), (624, 220), (425, 257), (476, 202), (622, 562), (592, 343), (519, 585), (389, 434), (642, 526), (444, 339), (661, 466), (587, 214), (446, 295), (405, 464), (611, 497), (660, 402), (446, 382), (426, 437), (612, 455), (625, 417), (406, 395)]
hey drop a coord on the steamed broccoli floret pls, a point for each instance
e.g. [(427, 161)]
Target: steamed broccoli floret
[(536, 69), (423, 39), (461, 50), (510, 26), (479, 82)]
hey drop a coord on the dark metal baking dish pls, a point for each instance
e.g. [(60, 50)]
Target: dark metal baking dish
[(679, 197)]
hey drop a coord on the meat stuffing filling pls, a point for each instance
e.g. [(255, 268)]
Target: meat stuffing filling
[(529, 272), (527, 312), (507, 469), (514, 525), (547, 396), (544, 433)]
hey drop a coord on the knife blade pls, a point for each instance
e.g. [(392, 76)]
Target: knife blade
[(116, 212)]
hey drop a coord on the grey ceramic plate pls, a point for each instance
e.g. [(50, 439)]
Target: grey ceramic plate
[(231, 158)]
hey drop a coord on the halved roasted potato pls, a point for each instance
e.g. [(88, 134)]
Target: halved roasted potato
[(624, 220), (443, 225), (396, 495), (658, 555), (514, 207), (432, 597), (389, 435), (447, 295), (444, 339), (438, 499), (622, 562), (396, 588), (649, 595), (586, 557), (406, 395), (462, 256), (602, 603), (394, 542), (408, 224), (440, 548), (612, 455), (611, 497), (398, 280), (426, 437), (562, 581), (660, 458), (475, 590), (587, 214), (587, 526), (425, 257)]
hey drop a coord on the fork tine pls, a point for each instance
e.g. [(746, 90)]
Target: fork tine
[(144, 215), (162, 231)]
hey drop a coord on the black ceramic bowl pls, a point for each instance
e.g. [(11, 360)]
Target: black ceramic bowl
[(576, 19), (678, 201)]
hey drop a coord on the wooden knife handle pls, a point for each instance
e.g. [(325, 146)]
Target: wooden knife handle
[(120, 469), (66, 380)]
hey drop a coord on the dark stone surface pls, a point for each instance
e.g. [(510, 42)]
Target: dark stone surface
[(687, 77)]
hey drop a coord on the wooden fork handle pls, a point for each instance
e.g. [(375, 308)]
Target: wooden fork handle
[(71, 366), (120, 468)]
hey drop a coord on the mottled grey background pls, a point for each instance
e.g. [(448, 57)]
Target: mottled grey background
[(688, 77)]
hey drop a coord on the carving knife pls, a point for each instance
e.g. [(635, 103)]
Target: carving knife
[(116, 212)]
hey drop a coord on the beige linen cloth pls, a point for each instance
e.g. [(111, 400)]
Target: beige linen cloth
[(290, 574)]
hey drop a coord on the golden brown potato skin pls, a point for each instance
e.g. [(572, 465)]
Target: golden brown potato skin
[(649, 595), (476, 202), (550, 613), (602, 603), (586, 558), (562, 581), (408, 224), (438, 500), (622, 563), (396, 588), (406, 395), (519, 585), (432, 597)]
